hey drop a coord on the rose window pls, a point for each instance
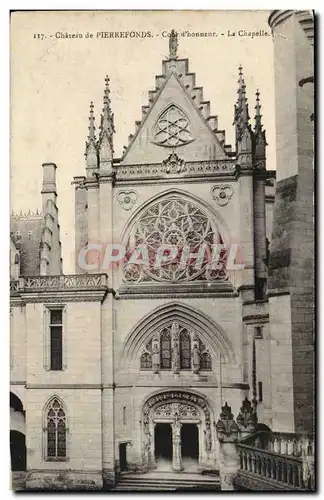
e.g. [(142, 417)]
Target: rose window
[(181, 229), (172, 128)]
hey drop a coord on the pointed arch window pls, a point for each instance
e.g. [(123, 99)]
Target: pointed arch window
[(185, 350), (55, 431), (146, 361), (205, 361), (165, 350)]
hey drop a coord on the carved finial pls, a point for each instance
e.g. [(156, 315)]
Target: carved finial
[(242, 106), (241, 115), (258, 116), (92, 127), (106, 126), (91, 150), (173, 45)]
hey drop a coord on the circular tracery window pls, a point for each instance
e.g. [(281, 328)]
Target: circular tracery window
[(185, 227), (172, 128)]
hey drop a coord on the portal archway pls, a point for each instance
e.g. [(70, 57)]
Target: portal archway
[(177, 431), (17, 434)]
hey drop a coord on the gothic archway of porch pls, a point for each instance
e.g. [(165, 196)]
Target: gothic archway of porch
[(178, 408)]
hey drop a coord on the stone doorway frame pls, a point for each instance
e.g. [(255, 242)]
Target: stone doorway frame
[(171, 406)]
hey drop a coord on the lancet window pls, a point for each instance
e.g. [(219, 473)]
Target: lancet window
[(55, 431)]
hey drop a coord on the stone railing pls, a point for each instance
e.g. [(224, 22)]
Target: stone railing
[(62, 282), (14, 286), (284, 469), (291, 444), (253, 458)]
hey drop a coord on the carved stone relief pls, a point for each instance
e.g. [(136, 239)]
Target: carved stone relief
[(222, 193), (127, 198)]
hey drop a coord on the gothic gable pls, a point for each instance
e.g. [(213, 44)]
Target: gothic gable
[(177, 120)]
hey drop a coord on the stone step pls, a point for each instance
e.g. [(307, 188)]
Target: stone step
[(160, 483)]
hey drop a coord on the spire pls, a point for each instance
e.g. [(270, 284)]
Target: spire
[(241, 117), (107, 128), (259, 135), (173, 45), (242, 105), (91, 150), (258, 116), (92, 128)]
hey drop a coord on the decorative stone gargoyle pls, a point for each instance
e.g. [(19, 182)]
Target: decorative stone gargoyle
[(226, 427), (247, 418)]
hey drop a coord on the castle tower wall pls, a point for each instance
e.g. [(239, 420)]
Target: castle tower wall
[(291, 270)]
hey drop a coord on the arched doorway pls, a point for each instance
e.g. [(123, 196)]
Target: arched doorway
[(17, 434), (177, 433), (17, 451)]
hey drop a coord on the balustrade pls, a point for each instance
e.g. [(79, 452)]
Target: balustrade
[(286, 469), (62, 282)]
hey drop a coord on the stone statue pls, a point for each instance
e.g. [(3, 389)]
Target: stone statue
[(208, 438), (147, 439), (173, 45), (155, 357), (176, 427), (175, 331), (195, 358), (175, 357), (175, 347)]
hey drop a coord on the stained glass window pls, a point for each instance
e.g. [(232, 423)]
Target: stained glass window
[(185, 350), (172, 128), (205, 361), (165, 350), (146, 361), (56, 430)]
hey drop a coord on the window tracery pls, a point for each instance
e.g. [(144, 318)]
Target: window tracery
[(188, 229), (172, 128), (165, 350), (55, 431), (175, 348)]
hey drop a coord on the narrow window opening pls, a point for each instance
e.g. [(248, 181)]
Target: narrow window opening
[(260, 392), (56, 339)]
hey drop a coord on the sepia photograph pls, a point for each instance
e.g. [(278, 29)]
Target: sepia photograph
[(162, 283)]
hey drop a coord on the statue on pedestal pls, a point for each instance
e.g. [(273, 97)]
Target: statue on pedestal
[(155, 356), (175, 347), (173, 45), (176, 438), (195, 358), (147, 440), (208, 437)]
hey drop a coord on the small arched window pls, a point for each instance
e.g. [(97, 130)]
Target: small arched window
[(55, 431), (146, 361), (185, 350), (165, 350), (205, 361)]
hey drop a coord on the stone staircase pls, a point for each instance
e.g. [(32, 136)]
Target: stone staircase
[(167, 481)]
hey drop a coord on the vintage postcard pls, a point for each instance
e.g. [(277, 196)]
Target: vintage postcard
[(162, 251)]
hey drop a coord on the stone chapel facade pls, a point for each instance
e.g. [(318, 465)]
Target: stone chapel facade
[(128, 367)]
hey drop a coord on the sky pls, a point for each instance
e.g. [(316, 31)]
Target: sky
[(53, 80)]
